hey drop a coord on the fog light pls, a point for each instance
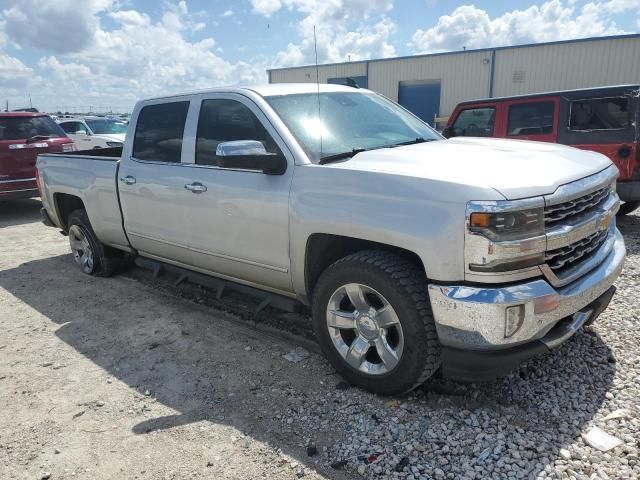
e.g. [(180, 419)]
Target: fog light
[(514, 317)]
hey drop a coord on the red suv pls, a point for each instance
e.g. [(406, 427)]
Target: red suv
[(603, 119), (23, 135)]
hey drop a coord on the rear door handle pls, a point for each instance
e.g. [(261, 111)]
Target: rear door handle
[(129, 180), (196, 187)]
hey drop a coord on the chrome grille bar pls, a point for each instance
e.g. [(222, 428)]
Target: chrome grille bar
[(567, 256), (571, 208)]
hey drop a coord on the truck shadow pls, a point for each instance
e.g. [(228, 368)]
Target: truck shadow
[(19, 212), (197, 365)]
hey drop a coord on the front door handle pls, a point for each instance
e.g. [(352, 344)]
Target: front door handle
[(196, 187), (129, 180)]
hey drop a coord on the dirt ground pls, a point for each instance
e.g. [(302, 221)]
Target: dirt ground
[(124, 378), (109, 378)]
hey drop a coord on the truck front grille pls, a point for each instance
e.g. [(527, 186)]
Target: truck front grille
[(575, 207), (565, 257)]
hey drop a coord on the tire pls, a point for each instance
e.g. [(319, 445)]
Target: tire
[(627, 207), (91, 255), (414, 345)]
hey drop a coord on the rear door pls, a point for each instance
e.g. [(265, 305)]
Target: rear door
[(151, 182), (532, 119)]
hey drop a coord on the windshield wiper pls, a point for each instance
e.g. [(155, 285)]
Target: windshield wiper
[(340, 156), (414, 141)]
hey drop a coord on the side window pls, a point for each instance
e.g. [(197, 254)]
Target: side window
[(159, 132), (534, 118), (226, 120), (72, 127), (600, 114), (475, 122)]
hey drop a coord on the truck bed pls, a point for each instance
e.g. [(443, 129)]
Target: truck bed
[(91, 176)]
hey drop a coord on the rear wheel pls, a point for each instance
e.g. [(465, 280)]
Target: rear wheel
[(628, 207), (373, 320), (91, 255)]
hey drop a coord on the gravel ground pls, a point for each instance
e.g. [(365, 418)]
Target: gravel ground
[(130, 377)]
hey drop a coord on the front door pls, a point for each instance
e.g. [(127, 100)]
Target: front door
[(151, 180), (532, 119), (239, 216)]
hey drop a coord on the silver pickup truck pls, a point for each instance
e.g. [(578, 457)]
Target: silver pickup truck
[(415, 253)]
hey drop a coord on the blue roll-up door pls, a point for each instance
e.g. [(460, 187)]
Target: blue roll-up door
[(421, 98)]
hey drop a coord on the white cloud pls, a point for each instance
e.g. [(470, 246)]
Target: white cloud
[(61, 26), (13, 72), (227, 13), (131, 17), (345, 29), (472, 27)]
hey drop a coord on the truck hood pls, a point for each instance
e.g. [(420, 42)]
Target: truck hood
[(515, 168)]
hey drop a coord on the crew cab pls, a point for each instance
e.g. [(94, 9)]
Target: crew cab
[(94, 132), (336, 198), (22, 136), (604, 120)]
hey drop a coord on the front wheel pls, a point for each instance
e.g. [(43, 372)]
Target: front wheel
[(373, 321), (628, 207)]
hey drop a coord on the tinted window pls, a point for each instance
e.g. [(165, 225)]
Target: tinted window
[(15, 128), (226, 121), (530, 118), (72, 127), (159, 132), (475, 122), (600, 114)]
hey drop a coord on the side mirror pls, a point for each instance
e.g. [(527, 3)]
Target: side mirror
[(250, 155), (447, 132), (80, 132)]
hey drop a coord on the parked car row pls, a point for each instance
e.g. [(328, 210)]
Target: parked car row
[(24, 135)]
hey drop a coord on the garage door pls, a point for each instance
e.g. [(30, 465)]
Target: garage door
[(421, 97)]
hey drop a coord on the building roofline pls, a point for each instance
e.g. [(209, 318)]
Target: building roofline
[(458, 52)]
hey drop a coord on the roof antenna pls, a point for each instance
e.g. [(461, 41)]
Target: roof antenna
[(315, 47)]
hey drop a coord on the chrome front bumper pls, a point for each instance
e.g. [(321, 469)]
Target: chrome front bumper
[(473, 317)]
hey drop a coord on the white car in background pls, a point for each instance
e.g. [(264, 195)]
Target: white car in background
[(94, 132)]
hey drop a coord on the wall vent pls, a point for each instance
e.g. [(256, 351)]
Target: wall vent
[(518, 76)]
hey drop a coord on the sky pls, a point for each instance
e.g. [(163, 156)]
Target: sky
[(72, 55)]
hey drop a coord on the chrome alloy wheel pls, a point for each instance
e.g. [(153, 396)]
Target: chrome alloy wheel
[(365, 329), (81, 249)]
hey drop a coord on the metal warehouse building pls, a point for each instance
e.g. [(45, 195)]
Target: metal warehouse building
[(432, 85)]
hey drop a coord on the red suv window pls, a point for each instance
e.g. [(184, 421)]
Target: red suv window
[(474, 122), (16, 128)]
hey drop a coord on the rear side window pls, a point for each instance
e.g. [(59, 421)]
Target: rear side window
[(600, 114), (475, 122), (159, 132), (534, 118), (20, 128), (73, 127)]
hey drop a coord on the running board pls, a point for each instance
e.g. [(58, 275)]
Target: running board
[(219, 286)]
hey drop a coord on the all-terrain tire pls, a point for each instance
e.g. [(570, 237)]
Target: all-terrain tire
[(628, 207), (404, 286), (106, 261)]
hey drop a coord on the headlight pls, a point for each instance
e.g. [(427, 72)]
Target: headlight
[(114, 144), (505, 226), (504, 237)]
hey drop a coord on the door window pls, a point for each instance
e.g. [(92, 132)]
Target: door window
[(223, 120), (600, 114), (159, 132), (475, 122), (73, 127), (14, 128), (535, 118)]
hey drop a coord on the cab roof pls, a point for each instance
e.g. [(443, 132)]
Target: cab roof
[(270, 90)]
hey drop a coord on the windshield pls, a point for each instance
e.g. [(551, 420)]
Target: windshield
[(106, 126), (349, 121), (14, 128)]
